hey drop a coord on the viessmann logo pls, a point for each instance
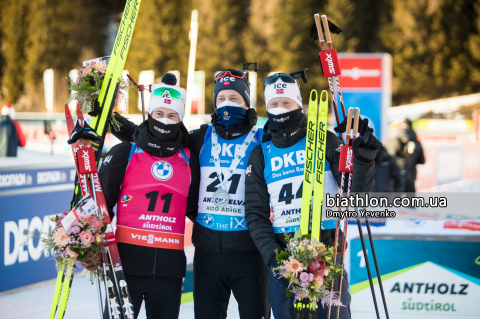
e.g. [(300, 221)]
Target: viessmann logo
[(357, 73)]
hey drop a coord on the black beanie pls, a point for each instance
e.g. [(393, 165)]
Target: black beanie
[(232, 83)]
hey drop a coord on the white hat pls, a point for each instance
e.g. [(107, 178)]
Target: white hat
[(168, 96), (283, 89), (7, 109)]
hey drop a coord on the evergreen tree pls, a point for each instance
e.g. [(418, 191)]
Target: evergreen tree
[(160, 41)]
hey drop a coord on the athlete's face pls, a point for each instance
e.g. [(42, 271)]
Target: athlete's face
[(163, 112), (284, 102), (231, 95)]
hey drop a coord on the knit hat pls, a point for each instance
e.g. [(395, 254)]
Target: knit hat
[(7, 109), (283, 89), (168, 95), (230, 82)]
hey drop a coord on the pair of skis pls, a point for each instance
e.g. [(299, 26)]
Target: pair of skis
[(331, 70), (119, 301)]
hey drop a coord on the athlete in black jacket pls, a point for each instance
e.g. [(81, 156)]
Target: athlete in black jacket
[(284, 133), (226, 259), (153, 274)]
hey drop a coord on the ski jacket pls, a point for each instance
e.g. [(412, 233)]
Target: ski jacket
[(257, 203), (11, 136), (408, 151), (140, 260), (204, 237), (387, 173)]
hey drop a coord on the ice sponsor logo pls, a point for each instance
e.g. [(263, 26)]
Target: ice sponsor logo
[(227, 79), (357, 73), (289, 159), (161, 130), (126, 198), (15, 238), (18, 179), (162, 170)]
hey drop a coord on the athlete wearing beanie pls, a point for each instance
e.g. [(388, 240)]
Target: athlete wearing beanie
[(226, 259), (275, 173), (154, 183)]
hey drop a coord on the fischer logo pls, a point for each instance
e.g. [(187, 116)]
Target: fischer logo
[(161, 130), (331, 67), (86, 159), (357, 73), (349, 163)]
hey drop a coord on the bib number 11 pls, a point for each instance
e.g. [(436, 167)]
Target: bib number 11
[(153, 196)]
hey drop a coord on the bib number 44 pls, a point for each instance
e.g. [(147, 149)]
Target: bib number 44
[(286, 193)]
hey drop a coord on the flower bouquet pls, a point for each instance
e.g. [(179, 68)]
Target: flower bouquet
[(79, 235), (89, 82), (309, 268)]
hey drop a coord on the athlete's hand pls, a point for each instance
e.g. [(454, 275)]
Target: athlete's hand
[(92, 261)]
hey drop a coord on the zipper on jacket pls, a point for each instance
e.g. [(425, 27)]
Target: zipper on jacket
[(155, 262), (285, 137), (226, 131)]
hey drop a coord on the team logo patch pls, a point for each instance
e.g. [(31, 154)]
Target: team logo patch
[(167, 101), (226, 83), (279, 91), (208, 220), (162, 170), (225, 113), (126, 198)]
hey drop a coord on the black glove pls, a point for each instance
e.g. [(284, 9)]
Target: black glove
[(366, 146), (96, 109)]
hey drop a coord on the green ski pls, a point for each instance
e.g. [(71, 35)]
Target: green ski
[(58, 289), (320, 159), (308, 169), (67, 285)]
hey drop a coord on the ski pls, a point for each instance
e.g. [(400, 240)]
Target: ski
[(67, 285), (308, 169), (114, 71), (320, 158), (116, 283), (58, 289)]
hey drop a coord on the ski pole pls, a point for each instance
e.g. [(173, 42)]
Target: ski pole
[(377, 269), (350, 136), (330, 46), (141, 89), (367, 264)]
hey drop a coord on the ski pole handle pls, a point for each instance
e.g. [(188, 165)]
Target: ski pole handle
[(349, 121), (319, 28), (327, 30), (355, 122)]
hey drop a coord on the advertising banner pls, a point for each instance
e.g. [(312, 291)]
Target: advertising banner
[(28, 198), (427, 277), (366, 83)]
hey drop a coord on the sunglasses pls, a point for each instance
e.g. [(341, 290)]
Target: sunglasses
[(167, 93), (274, 78), (234, 73)]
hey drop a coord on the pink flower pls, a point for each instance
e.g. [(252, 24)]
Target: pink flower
[(314, 266), (87, 69), (74, 230), (70, 253), (95, 223), (304, 277), (317, 282), (321, 250), (87, 238), (310, 277), (326, 271), (318, 274), (60, 237), (305, 284), (294, 266)]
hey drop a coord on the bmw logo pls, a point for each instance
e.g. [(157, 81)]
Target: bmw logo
[(162, 170), (209, 221)]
